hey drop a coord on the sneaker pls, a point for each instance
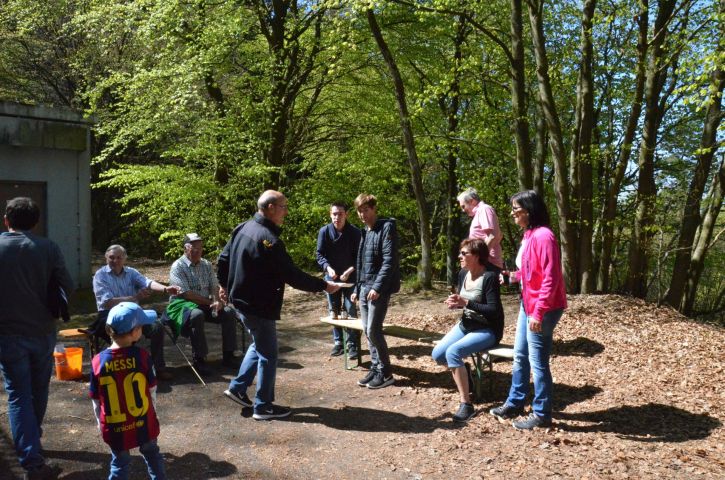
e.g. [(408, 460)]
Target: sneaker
[(352, 352), (334, 316), (336, 351), (506, 412), (343, 316), (465, 412), (381, 381), (44, 472), (531, 422), (363, 382), (240, 398), (273, 411)]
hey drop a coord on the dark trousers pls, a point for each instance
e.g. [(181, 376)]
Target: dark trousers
[(193, 328)]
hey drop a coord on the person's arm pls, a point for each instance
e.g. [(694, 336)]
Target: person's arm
[(293, 275), (547, 253), (491, 292), (389, 252), (97, 411), (60, 272), (320, 252), (160, 287)]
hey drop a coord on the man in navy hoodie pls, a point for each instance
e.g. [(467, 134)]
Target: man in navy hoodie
[(252, 271), (337, 244)]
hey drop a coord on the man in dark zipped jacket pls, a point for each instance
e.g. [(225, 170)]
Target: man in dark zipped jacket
[(378, 277)]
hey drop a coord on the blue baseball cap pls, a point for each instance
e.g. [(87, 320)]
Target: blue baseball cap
[(126, 316)]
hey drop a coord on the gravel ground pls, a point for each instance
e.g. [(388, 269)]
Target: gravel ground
[(638, 394)]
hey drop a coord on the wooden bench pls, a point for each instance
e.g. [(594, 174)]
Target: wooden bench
[(486, 358), (481, 360), (391, 330), (77, 334)]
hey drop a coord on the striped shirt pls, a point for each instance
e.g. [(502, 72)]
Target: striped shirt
[(197, 278), (108, 285)]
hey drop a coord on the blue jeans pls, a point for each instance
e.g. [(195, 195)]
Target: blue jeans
[(372, 315), (121, 459), (26, 364), (532, 351), (335, 301), (456, 345), (261, 356)]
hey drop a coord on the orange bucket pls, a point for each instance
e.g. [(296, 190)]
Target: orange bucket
[(69, 364)]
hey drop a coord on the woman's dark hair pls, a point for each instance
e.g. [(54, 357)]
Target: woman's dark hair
[(477, 247), (532, 202)]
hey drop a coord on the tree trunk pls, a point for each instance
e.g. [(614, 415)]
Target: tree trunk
[(450, 105), (691, 213), (646, 190), (425, 270), (697, 261), (518, 99), (542, 146), (583, 157), (610, 203), (556, 143)]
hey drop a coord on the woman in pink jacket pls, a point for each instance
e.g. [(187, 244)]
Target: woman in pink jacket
[(543, 300)]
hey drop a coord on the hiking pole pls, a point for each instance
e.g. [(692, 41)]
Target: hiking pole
[(184, 355)]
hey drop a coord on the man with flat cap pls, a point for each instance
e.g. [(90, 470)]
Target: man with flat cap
[(252, 270), (198, 302)]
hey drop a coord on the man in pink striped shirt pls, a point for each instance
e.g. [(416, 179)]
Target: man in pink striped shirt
[(484, 226)]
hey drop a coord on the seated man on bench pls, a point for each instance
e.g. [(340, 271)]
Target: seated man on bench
[(115, 283), (198, 302), (481, 324)]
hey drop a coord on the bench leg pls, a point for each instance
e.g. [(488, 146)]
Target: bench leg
[(477, 376)]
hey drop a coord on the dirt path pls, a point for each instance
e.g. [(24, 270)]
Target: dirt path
[(619, 413)]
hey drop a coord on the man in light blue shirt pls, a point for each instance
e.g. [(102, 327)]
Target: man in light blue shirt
[(115, 283)]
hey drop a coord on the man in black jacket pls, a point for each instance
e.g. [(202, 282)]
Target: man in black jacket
[(27, 328), (378, 277), (252, 270)]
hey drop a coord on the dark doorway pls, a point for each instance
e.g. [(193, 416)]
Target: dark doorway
[(36, 190)]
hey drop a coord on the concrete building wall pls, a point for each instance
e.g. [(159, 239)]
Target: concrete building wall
[(52, 146)]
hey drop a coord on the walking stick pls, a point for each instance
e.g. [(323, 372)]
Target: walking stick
[(184, 355)]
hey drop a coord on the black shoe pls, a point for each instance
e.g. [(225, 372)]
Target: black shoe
[(337, 350), (531, 422), (201, 367), (506, 412), (381, 381), (465, 413), (352, 352), (271, 412), (43, 472), (363, 382), (240, 398)]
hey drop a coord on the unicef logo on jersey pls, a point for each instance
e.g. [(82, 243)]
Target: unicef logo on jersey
[(130, 426)]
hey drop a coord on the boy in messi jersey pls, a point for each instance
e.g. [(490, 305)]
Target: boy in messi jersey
[(123, 389)]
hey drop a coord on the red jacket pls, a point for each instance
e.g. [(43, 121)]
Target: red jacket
[(541, 278)]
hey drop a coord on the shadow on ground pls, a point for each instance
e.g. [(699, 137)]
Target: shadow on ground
[(367, 420), (191, 465), (652, 422), (578, 347)]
